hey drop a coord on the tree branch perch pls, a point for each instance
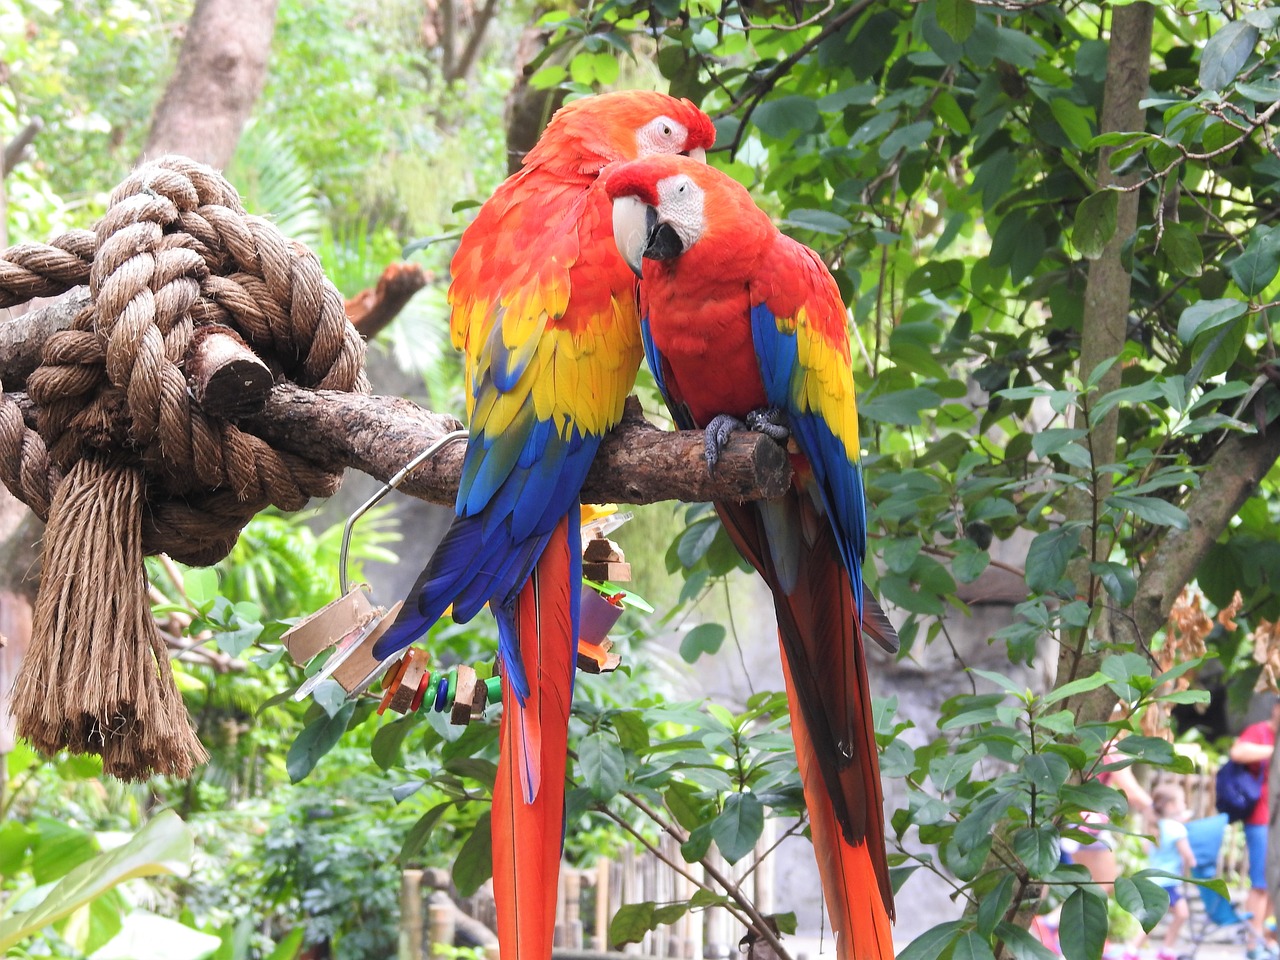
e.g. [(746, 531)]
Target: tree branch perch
[(637, 462)]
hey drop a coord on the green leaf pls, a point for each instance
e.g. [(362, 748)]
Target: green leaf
[(1022, 944), (289, 945), (669, 913), (1083, 685), (1151, 509), (1254, 269), (474, 864), (1074, 121), (972, 946), (162, 846), (910, 137), (994, 905), (147, 936), (1151, 750), (316, 739), (968, 565), (696, 541), (738, 827), (601, 765), (951, 769), (957, 18), (704, 638), (819, 221), (777, 118), (385, 749), (901, 407), (1082, 929), (418, 833), (200, 584), (631, 923), (1046, 771), (632, 731), (931, 944), (1225, 54), (1095, 223), (1117, 579), (1182, 248), (1143, 898), (1038, 847), (57, 848), (1205, 315), (682, 800), (1048, 556)]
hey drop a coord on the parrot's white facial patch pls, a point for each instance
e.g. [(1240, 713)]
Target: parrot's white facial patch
[(664, 135), (680, 204)]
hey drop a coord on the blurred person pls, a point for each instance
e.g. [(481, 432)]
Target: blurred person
[(1254, 748), (1171, 853), (1099, 857)]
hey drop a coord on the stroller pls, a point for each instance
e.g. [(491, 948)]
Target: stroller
[(1220, 920)]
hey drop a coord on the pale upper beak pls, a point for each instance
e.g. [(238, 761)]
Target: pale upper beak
[(697, 153), (633, 221)]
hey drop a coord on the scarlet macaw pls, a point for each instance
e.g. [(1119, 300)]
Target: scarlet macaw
[(742, 323), (545, 311)]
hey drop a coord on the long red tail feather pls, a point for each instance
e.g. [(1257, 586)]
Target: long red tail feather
[(528, 796), (849, 881)]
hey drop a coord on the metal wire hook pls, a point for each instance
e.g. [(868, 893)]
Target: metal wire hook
[(387, 487)]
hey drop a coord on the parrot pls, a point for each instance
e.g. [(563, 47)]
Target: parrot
[(744, 327), (545, 312)]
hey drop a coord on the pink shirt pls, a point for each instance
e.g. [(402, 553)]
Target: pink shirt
[(1262, 733)]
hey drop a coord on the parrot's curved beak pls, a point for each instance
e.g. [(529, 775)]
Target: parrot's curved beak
[(633, 220), (641, 236)]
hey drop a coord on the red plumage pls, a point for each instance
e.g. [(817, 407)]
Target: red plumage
[(740, 318)]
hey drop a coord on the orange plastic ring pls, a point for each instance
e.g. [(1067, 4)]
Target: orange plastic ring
[(393, 682)]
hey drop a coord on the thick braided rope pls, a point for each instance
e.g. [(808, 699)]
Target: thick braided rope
[(174, 250)]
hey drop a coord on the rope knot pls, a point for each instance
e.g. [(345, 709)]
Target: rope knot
[(133, 452)]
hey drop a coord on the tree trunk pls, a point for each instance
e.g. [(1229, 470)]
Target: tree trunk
[(528, 109), (1106, 314), (221, 70)]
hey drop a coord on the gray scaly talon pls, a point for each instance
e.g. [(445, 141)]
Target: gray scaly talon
[(771, 421), (717, 435)]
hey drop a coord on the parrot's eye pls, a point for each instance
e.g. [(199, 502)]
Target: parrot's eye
[(660, 135)]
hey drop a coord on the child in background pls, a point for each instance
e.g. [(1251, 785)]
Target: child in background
[(1171, 853)]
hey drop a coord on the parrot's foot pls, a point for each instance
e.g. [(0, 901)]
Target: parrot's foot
[(770, 421)]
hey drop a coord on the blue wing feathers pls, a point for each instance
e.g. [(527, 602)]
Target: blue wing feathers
[(838, 478), (776, 353)]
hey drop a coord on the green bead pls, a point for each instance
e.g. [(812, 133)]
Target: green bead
[(452, 691), (493, 689)]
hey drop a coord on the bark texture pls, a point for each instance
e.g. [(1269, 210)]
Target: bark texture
[(221, 70), (1106, 313)]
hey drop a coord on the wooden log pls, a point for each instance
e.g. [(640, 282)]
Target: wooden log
[(226, 378), (601, 939), (410, 915)]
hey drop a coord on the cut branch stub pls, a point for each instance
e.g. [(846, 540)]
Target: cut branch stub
[(226, 378)]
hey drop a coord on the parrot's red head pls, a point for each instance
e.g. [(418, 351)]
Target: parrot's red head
[(663, 205), (623, 126)]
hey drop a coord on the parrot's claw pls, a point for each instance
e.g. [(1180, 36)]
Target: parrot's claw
[(770, 421), (717, 435)]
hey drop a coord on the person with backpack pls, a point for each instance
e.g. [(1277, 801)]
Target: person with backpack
[(1253, 750)]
